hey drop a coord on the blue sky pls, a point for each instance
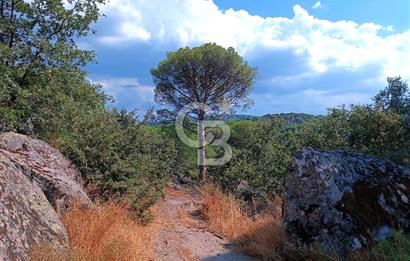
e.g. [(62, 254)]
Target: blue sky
[(310, 55)]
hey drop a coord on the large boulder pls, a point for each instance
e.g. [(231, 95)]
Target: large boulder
[(26, 217), (36, 184), (58, 177), (340, 201)]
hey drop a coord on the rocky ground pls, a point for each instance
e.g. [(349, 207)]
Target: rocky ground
[(181, 233)]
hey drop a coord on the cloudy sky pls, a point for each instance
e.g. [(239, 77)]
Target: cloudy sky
[(311, 55)]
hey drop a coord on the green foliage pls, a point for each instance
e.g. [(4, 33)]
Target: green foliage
[(119, 156), (395, 97), (292, 118), (263, 149), (380, 129), (41, 34), (207, 74), (262, 152), (40, 62), (186, 156), (395, 249), (45, 93)]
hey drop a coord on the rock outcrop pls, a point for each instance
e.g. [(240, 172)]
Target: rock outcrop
[(26, 217), (58, 177), (36, 184), (343, 201)]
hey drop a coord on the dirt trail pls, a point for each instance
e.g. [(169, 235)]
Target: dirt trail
[(181, 234)]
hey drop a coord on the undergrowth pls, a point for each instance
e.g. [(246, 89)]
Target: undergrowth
[(102, 233), (262, 237)]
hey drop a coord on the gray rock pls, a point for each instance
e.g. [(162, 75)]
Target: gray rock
[(26, 217), (36, 184), (58, 177), (344, 201)]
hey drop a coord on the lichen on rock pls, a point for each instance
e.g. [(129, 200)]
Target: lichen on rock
[(36, 184), (26, 217), (344, 201), (56, 175)]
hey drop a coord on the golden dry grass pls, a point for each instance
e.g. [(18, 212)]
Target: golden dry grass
[(262, 237), (186, 254), (101, 233)]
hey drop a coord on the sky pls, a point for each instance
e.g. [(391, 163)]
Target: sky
[(310, 55)]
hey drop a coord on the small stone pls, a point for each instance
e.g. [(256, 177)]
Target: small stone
[(404, 199)]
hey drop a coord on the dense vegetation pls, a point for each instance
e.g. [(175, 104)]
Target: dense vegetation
[(263, 147), (381, 128), (201, 79), (45, 93)]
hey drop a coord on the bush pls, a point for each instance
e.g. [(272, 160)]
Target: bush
[(263, 149), (262, 152), (45, 93), (381, 128), (362, 129), (119, 157)]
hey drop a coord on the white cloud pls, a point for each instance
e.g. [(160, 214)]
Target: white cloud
[(113, 86), (128, 32), (127, 91), (318, 4), (326, 44), (309, 100)]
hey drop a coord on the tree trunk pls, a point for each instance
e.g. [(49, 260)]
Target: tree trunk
[(201, 147)]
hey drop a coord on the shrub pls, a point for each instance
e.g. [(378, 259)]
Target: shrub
[(262, 152), (381, 128), (119, 157), (45, 93), (362, 128)]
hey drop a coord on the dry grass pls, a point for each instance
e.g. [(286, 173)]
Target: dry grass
[(44, 252), (186, 218), (186, 254), (101, 233), (262, 237), (178, 193)]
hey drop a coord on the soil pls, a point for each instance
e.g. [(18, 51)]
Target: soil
[(181, 232)]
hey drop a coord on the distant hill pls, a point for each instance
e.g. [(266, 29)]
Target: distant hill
[(289, 118), (239, 117), (295, 118)]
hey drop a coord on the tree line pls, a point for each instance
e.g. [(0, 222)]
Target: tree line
[(45, 93)]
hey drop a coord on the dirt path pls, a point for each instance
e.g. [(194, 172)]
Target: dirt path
[(180, 233)]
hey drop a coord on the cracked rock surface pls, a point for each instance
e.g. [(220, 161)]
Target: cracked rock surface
[(36, 184), (344, 201), (26, 216)]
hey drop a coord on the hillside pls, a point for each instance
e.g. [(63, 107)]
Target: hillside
[(289, 118), (90, 171)]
